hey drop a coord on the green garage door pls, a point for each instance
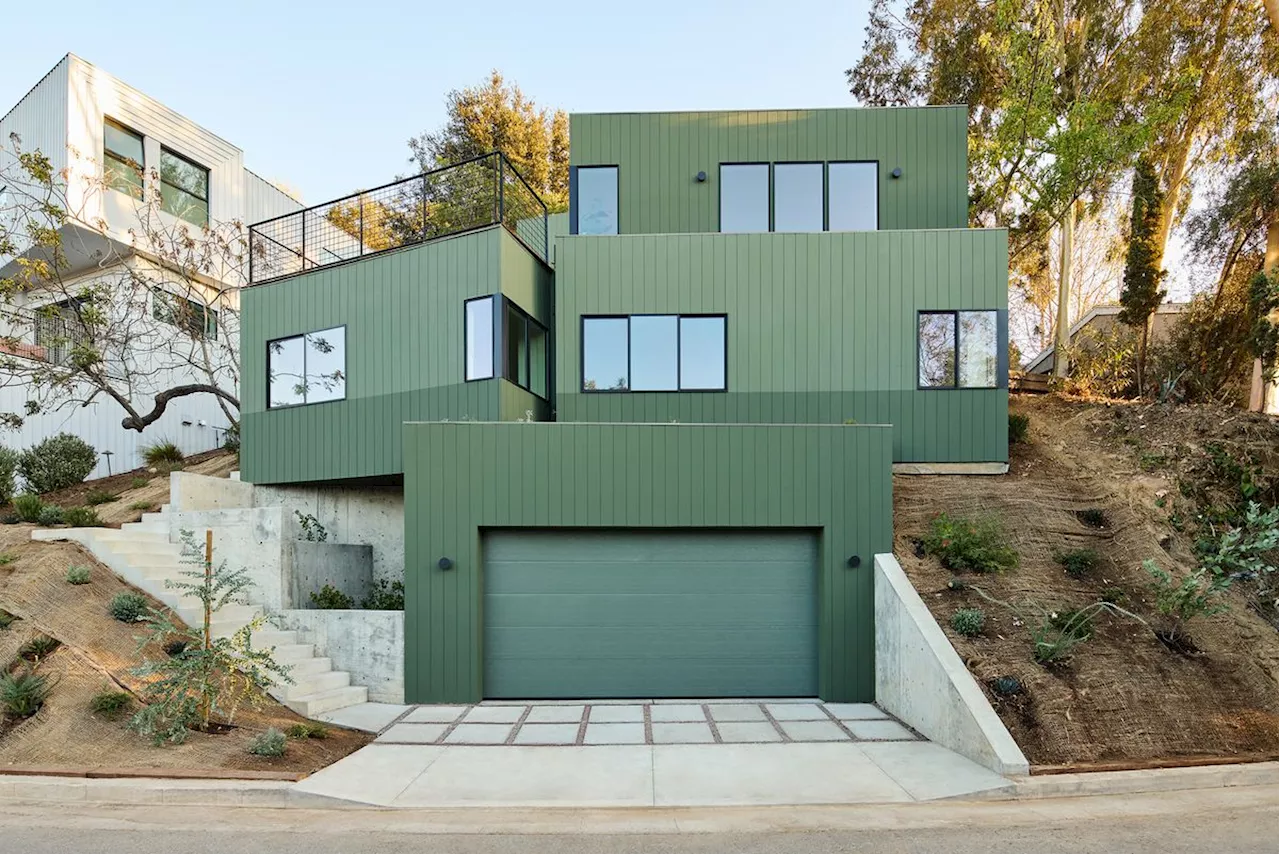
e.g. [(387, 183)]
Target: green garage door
[(650, 614)]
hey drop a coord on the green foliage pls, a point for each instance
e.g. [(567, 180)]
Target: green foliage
[(1101, 360), (308, 729), (1140, 291), (1018, 424), (966, 544), (968, 621), (81, 517), (110, 704), (1264, 298), (162, 453), (231, 439), (1204, 357), (1006, 686), (56, 463), (1248, 552), (1078, 562), (269, 743), (10, 519), (212, 675), (128, 607), (1056, 636), (144, 506), (99, 496), (51, 514), (312, 530), (330, 598), (1112, 596), (1094, 517), (78, 575), (22, 694), (1198, 594), (28, 507), (1151, 462), (384, 596), (38, 647), (139, 482), (7, 558), (6, 619), (8, 468)]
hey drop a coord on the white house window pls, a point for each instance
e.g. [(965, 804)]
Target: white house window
[(122, 158), (184, 188)]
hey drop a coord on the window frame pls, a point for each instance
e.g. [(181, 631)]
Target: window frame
[(208, 185), (1002, 349), (575, 205), (502, 352), (768, 165), (127, 162), (210, 330), (679, 389), (826, 193), (773, 194), (466, 329), (346, 374)]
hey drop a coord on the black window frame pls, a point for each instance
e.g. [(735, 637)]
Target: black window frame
[(679, 389), (192, 309), (573, 196), (502, 352), (826, 192), (346, 374), (208, 185), (720, 194), (126, 162), (1002, 349), (773, 193), (466, 338)]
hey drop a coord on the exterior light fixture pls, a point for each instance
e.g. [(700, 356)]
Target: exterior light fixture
[(700, 177), (445, 563), (897, 173), (854, 562)]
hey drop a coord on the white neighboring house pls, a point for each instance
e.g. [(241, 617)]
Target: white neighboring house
[(81, 118)]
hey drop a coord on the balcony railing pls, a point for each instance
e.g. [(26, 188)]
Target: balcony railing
[(49, 334), (475, 193)]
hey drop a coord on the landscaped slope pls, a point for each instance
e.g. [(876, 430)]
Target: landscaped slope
[(96, 653), (1162, 477)]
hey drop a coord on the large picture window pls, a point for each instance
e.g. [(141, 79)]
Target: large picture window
[(797, 197), (310, 368), (597, 200), (654, 352), (122, 158), (853, 197), (958, 349), (744, 197), (184, 188)]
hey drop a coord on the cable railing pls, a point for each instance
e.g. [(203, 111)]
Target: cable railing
[(475, 193)]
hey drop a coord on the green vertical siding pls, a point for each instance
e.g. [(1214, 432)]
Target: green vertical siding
[(658, 155), (821, 328), (463, 478)]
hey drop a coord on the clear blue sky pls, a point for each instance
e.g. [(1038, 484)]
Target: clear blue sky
[(325, 99)]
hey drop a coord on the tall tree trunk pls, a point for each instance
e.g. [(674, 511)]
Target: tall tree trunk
[(1228, 264), (1062, 331), (1142, 354), (1259, 393)]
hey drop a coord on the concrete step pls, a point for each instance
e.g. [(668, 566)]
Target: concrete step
[(292, 652), (307, 666), (318, 704), (310, 686), (131, 546), (239, 614), (155, 517), (147, 560), (159, 527), (114, 535), (274, 637)]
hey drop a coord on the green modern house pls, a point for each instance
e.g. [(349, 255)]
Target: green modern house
[(646, 447)]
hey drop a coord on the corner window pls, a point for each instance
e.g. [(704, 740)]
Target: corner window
[(853, 198), (193, 317), (184, 188), (122, 158), (797, 197), (744, 197), (524, 350), (310, 368), (597, 202), (958, 349), (653, 352), (478, 338)]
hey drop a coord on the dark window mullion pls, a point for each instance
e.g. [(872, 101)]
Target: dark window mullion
[(955, 361)]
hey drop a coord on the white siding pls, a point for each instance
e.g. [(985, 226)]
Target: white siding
[(264, 200), (40, 118)]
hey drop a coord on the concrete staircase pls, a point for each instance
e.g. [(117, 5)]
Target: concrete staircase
[(142, 554)]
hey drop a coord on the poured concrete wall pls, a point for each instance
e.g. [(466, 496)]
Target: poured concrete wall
[(247, 537), (367, 644), (921, 679), (368, 516), (309, 566)]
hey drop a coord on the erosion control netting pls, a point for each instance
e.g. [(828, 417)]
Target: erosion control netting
[(97, 654), (1123, 696)]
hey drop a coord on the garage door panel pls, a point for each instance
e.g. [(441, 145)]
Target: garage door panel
[(635, 614)]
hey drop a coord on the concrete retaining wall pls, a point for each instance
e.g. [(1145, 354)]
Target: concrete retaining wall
[(247, 537), (367, 644), (308, 566), (921, 680), (368, 516)]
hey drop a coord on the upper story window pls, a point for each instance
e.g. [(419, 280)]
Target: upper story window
[(310, 368), (958, 349), (524, 353), (744, 197), (654, 352), (799, 197), (477, 333), (597, 202), (122, 158), (191, 316), (59, 330), (184, 188)]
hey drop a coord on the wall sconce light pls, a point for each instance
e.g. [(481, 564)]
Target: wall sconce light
[(854, 562), (445, 563), (897, 173), (700, 177)]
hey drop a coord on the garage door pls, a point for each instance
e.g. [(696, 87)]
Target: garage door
[(650, 614)]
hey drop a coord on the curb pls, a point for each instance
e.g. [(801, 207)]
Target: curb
[(1150, 780), (139, 790)]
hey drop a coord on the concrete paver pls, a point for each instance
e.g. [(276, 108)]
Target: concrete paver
[(413, 733), (493, 714), (676, 713), (465, 733), (614, 733), (434, 714), (855, 711), (879, 730), (547, 734), (797, 712), (367, 717), (736, 712), (617, 714), (826, 730), (682, 733), (554, 714), (747, 731)]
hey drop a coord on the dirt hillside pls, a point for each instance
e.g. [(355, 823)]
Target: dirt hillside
[(1159, 475)]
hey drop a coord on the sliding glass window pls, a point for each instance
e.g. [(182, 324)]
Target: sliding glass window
[(744, 197), (310, 368), (958, 349), (797, 197), (853, 201), (597, 202), (654, 352)]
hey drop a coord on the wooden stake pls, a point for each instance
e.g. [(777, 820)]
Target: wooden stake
[(208, 576)]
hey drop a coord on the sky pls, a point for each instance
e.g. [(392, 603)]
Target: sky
[(324, 100)]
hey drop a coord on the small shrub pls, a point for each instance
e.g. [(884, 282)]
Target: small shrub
[(312, 530), (110, 704), (269, 743), (957, 585), (308, 729), (968, 622), (99, 496), (384, 596), (1077, 620), (1059, 633), (1078, 562), (144, 506), (8, 468), (7, 558), (176, 646), (50, 514), (231, 439), (1113, 596), (81, 517), (1093, 517), (965, 544), (10, 519), (1018, 424), (22, 694), (56, 463), (1151, 462), (28, 507), (38, 647), (1006, 686), (6, 620), (162, 453), (128, 607), (1197, 595), (139, 482), (78, 575), (331, 598)]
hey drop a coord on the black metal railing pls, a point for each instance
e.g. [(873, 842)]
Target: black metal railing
[(49, 334), (475, 193)]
